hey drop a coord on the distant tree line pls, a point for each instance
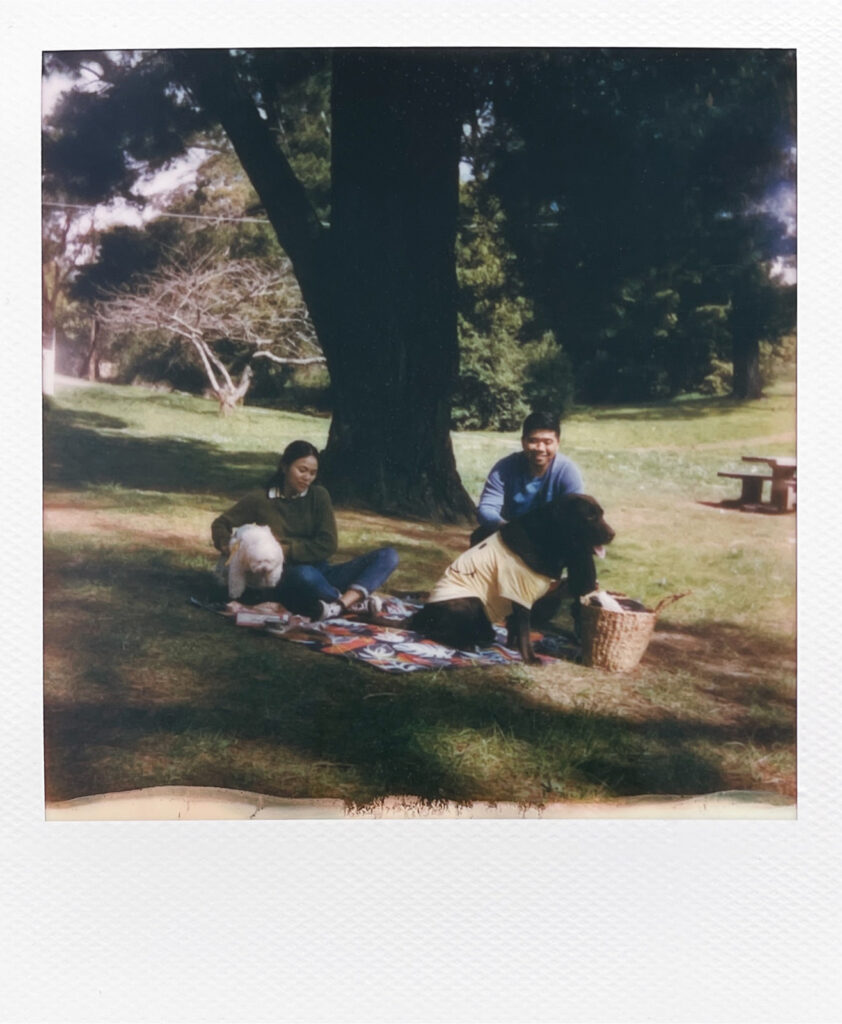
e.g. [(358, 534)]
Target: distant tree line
[(611, 239)]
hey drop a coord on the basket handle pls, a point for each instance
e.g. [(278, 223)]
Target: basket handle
[(669, 600)]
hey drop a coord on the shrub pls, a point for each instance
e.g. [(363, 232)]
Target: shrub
[(489, 391), (505, 369), (720, 379), (777, 361), (548, 375), (295, 388)]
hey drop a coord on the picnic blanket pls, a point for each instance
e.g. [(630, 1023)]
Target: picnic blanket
[(390, 647)]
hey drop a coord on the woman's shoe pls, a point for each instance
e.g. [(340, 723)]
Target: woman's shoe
[(371, 605), (328, 610)]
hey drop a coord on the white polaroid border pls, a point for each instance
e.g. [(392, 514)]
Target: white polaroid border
[(422, 920)]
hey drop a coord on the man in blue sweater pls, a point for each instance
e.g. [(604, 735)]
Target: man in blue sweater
[(528, 478), (524, 480)]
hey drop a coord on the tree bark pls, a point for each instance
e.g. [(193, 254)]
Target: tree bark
[(214, 78), (48, 336), (390, 332), (230, 395), (380, 284), (746, 357), (748, 320), (92, 356)]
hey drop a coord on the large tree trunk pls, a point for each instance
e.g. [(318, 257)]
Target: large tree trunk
[(390, 333), (380, 283), (749, 321), (746, 356)]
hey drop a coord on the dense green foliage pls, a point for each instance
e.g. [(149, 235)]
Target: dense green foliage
[(505, 370), (616, 236), (642, 190)]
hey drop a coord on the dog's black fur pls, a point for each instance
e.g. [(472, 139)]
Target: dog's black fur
[(550, 538)]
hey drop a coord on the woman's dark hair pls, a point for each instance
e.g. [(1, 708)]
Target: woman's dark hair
[(294, 451)]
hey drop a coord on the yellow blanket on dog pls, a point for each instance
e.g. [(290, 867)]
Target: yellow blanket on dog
[(494, 574)]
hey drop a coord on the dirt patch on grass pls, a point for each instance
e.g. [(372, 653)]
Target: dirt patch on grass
[(148, 530), (61, 518), (447, 535), (726, 681), (722, 649)]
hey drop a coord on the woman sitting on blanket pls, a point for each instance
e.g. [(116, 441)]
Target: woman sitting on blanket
[(300, 515)]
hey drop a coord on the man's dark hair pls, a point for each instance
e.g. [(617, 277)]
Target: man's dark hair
[(542, 421)]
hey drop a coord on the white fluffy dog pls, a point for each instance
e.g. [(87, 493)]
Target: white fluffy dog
[(255, 559)]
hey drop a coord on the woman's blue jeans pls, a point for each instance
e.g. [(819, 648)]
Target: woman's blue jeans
[(303, 586)]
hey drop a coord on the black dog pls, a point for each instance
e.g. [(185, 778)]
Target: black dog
[(566, 533)]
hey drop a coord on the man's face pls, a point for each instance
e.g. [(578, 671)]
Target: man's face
[(540, 447)]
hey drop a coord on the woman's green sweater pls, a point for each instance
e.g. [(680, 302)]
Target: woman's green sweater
[(305, 526)]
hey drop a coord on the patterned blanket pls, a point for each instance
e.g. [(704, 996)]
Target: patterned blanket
[(391, 647)]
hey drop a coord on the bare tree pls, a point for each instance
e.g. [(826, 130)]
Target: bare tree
[(209, 301)]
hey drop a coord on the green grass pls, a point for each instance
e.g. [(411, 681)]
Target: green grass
[(141, 689)]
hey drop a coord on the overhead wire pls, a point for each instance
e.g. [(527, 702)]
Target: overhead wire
[(176, 216)]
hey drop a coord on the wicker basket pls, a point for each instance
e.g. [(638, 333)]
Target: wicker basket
[(616, 641)]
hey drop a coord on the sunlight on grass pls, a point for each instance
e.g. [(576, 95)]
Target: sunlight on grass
[(143, 689)]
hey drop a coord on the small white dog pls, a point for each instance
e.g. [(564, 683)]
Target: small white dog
[(254, 559), (604, 600)]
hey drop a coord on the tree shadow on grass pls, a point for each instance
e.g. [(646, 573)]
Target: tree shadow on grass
[(161, 677), (77, 454), (686, 409), (407, 740), (62, 418), (749, 673), (735, 505), (722, 649)]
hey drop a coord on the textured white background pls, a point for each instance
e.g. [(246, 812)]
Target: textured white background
[(481, 921)]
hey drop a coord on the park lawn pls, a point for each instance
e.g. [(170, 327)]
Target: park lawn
[(143, 689)]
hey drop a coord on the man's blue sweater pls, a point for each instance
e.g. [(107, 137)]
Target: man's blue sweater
[(510, 490)]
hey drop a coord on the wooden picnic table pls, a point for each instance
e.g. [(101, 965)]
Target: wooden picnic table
[(782, 476)]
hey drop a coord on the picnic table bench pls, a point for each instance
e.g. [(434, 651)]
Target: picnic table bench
[(782, 477)]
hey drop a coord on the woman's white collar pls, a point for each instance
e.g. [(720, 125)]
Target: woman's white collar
[(276, 492)]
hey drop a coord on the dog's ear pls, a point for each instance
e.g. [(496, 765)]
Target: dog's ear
[(579, 506), (236, 575), (581, 573), (277, 572), (578, 518), (595, 529), (566, 511)]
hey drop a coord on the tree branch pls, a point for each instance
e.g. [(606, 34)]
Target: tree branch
[(206, 300), (213, 77), (202, 349), (289, 361), (217, 362)]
